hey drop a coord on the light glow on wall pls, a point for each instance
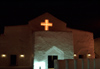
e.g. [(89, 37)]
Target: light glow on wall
[(88, 55), (75, 55), (22, 56), (3, 55), (39, 65)]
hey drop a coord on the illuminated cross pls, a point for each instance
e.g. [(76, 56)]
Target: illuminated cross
[(46, 24)]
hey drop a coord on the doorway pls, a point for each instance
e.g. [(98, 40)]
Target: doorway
[(13, 60), (51, 59)]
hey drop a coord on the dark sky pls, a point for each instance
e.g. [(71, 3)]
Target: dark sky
[(83, 15)]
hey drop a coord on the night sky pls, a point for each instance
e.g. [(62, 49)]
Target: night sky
[(83, 15)]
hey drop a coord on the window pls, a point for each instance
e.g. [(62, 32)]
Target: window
[(81, 56), (1, 29)]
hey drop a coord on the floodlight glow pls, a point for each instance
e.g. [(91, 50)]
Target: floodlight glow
[(75, 55), (39, 65), (46, 24), (3, 55), (22, 56)]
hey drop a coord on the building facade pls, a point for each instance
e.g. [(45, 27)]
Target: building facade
[(44, 39)]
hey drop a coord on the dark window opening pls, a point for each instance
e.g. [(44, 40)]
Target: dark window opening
[(13, 60), (81, 56), (1, 29), (51, 61)]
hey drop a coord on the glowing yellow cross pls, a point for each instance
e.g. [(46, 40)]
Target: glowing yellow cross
[(46, 24)]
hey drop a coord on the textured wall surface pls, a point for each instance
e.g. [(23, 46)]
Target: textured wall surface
[(16, 41), (44, 40), (83, 42), (97, 47)]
